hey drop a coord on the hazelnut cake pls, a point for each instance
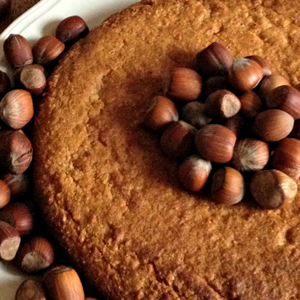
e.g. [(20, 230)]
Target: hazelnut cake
[(109, 193)]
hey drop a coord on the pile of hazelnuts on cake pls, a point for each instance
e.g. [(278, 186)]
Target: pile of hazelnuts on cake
[(32, 253), (233, 125)]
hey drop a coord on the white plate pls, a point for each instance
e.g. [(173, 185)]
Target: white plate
[(40, 20)]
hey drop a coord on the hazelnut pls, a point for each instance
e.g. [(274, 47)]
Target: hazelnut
[(19, 216), (251, 104), (250, 155), (272, 188), (228, 186), (214, 60), (194, 113), (245, 74), (5, 84), (18, 51), (16, 108), (236, 124), (46, 49), (71, 29), (297, 86), (30, 289), (193, 173), (35, 255), (286, 157), (215, 143), (213, 84), (32, 78), (262, 62), (269, 83), (4, 194), (15, 151), (162, 111), (273, 125), (178, 140), (222, 104), (185, 84), (18, 184), (287, 98), (9, 241), (62, 283)]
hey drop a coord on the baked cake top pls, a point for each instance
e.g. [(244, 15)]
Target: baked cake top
[(109, 193)]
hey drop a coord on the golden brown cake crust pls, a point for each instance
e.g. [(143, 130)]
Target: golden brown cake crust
[(109, 193)]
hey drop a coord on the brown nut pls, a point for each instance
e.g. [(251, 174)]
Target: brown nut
[(215, 143), (273, 125), (178, 140), (15, 151), (18, 184), (18, 51), (46, 49), (19, 216), (30, 289), (5, 84), (194, 113), (71, 29), (4, 194), (63, 283), (16, 108), (185, 84), (162, 112), (222, 104), (269, 83), (32, 78), (9, 241), (214, 60), (263, 63), (286, 157), (251, 104), (272, 188), (245, 74), (250, 155), (193, 173), (287, 98), (228, 186), (297, 86), (35, 255)]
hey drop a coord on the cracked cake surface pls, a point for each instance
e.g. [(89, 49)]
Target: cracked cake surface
[(111, 196)]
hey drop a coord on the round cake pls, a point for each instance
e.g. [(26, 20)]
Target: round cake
[(109, 193)]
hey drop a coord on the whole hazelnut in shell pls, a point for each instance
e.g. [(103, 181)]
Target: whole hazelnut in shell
[(245, 74), (215, 143), (228, 186), (178, 140), (16, 108), (214, 60), (273, 125), (193, 172), (250, 155), (15, 151), (272, 188)]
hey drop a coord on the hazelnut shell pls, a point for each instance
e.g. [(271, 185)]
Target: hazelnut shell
[(215, 143)]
